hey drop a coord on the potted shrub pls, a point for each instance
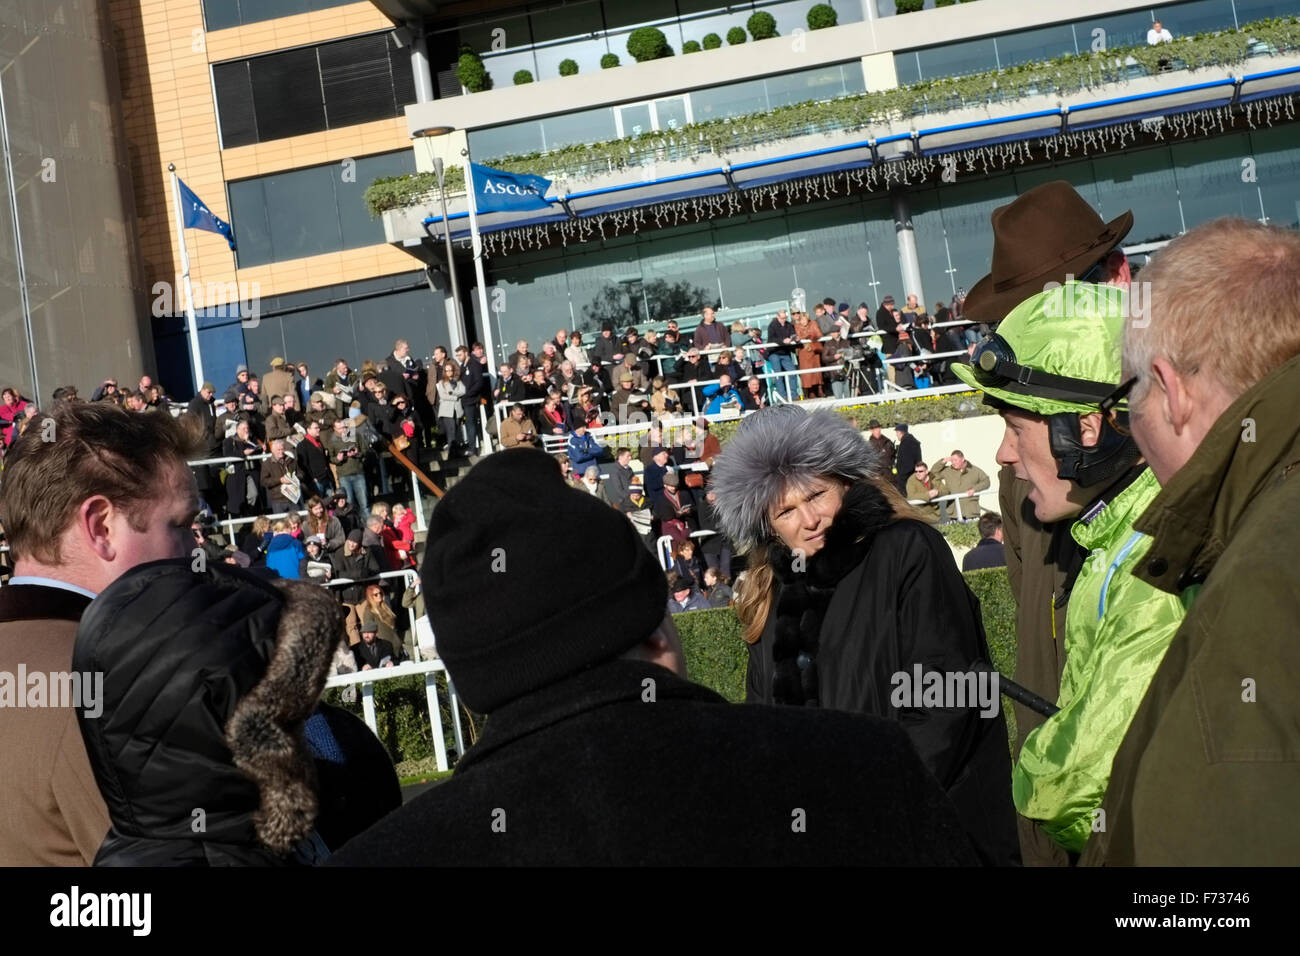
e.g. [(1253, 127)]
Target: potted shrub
[(761, 25), (735, 35), (648, 43), (712, 41), (908, 6), (609, 61), (471, 73), (691, 46), (522, 77), (821, 16), (568, 67)]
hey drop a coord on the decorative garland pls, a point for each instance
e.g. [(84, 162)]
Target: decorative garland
[(901, 172)]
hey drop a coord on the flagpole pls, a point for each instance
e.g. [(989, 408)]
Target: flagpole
[(195, 358), (476, 242)]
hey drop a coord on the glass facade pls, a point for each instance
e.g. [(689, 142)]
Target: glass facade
[(307, 212), (585, 31), (219, 14), (847, 248)]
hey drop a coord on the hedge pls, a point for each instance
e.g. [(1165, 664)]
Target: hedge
[(716, 657), (397, 192), (908, 411)]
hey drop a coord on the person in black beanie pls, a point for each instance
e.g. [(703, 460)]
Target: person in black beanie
[(598, 751)]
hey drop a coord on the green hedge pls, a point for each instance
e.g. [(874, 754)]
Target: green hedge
[(909, 411), (716, 657), (399, 192), (961, 534)]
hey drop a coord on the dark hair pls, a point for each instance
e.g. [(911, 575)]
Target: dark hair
[(989, 522)]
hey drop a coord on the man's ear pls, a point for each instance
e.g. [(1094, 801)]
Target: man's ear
[(1090, 429), (1175, 398), (93, 527)]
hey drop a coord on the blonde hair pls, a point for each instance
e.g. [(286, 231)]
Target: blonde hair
[(1225, 267), (753, 601), (280, 525)]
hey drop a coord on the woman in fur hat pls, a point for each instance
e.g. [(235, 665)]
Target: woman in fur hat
[(849, 590)]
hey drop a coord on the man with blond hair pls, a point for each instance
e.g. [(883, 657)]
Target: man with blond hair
[(90, 491), (1208, 771)]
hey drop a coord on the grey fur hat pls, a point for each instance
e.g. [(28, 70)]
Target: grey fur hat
[(770, 448)]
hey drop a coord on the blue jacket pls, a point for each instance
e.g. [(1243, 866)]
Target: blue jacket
[(285, 554), (583, 450), (719, 397)]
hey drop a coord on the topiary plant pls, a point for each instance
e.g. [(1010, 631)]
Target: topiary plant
[(944, 3), (761, 25), (735, 35), (908, 6), (568, 68), (471, 74), (712, 41), (648, 43), (609, 61), (691, 46), (821, 16), (522, 77)]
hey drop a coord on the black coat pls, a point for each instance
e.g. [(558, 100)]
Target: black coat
[(888, 595), (587, 772), (905, 459), (988, 553), (208, 680)]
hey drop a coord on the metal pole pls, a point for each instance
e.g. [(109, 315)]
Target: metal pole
[(477, 241), (195, 359), (458, 329), (18, 250)]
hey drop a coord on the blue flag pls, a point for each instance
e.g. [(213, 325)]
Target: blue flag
[(199, 216), (497, 191)]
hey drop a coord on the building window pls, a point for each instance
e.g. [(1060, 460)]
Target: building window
[(309, 212), (220, 14), (310, 89)]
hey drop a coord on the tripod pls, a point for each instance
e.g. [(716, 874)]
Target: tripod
[(858, 381)]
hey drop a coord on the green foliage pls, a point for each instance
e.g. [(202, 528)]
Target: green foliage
[(961, 534), (648, 43), (396, 192), (568, 68), (821, 16), (402, 718), (944, 3), (761, 25), (472, 74), (908, 411), (712, 41), (609, 61), (716, 656), (735, 36), (908, 6), (998, 610), (691, 46), (522, 77)]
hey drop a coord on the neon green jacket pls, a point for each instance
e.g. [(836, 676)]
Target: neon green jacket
[(1117, 628)]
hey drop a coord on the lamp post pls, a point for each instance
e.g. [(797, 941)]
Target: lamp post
[(475, 238), (458, 332)]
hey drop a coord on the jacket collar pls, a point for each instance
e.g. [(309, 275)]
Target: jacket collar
[(863, 513), (1196, 515), (1116, 508), (34, 602), (612, 682)]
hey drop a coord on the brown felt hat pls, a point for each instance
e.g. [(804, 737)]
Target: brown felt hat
[(1043, 236)]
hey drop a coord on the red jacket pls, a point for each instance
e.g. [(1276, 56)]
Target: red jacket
[(400, 538)]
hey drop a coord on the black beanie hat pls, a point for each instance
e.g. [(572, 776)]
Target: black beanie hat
[(495, 580)]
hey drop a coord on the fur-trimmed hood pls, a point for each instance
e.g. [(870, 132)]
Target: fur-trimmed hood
[(864, 511), (773, 447), (209, 677)]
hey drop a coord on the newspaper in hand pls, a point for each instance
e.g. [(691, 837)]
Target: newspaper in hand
[(292, 489)]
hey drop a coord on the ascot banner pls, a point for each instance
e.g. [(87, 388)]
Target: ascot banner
[(498, 191)]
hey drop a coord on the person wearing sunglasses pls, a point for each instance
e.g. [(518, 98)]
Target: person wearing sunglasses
[(1051, 372)]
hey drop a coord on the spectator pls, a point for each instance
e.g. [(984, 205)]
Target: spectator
[(781, 354), (107, 390), (881, 445), (313, 460), (373, 604), (256, 540), (617, 488), (889, 575), (583, 450), (449, 391), (201, 410), (355, 563), (1222, 771), (239, 386), (285, 552), (242, 477), (278, 381), (833, 355), (675, 509), (341, 384), (509, 388), (113, 491), (478, 391), (809, 355), (722, 396), (714, 548), (373, 541), (987, 552), (629, 406), (315, 566), (717, 589), (11, 410), (682, 597), (518, 431), (399, 538), (709, 334), (279, 480), (590, 481), (521, 354), (904, 374), (960, 477), (303, 386), (694, 368), (655, 471), (551, 419), (924, 487), (906, 457), (561, 340), (372, 651), (754, 396), (606, 347), (325, 526), (347, 515), (576, 353), (739, 334), (347, 452), (663, 400), (569, 733), (1158, 35), (687, 564), (276, 425), (671, 348), (401, 371)]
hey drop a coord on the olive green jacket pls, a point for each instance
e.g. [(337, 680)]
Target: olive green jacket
[(1209, 771)]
